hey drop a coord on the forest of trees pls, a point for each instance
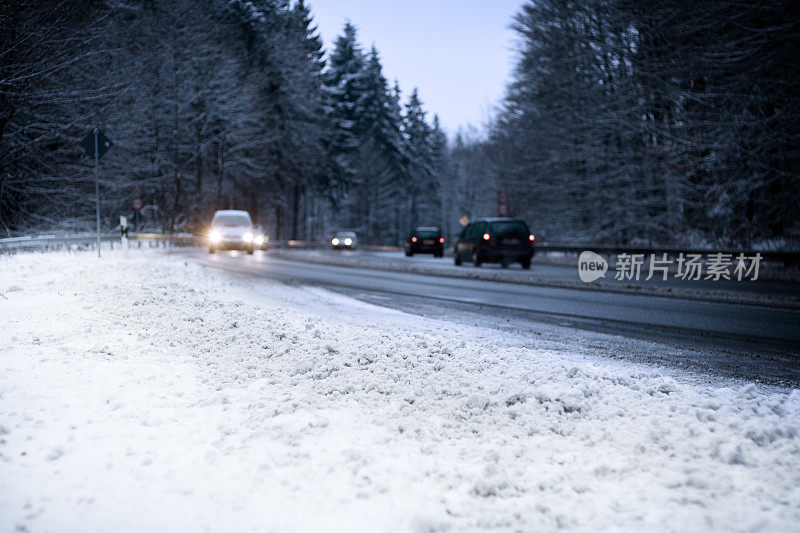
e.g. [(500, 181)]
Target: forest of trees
[(210, 104), (654, 121)]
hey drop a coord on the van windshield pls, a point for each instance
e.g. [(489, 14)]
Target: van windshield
[(512, 228), (232, 220)]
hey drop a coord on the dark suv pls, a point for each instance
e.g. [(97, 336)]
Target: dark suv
[(495, 240), (426, 241)]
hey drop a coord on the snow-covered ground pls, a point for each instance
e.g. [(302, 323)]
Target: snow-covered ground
[(149, 394)]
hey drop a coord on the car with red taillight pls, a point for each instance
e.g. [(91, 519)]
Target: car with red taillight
[(495, 240), (425, 240)]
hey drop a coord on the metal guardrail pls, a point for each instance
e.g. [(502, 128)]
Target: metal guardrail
[(325, 244), (788, 258), (89, 241)]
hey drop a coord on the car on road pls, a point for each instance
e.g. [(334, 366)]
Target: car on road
[(495, 240), (425, 240), (231, 229), (344, 240)]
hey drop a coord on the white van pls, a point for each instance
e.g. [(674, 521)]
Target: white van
[(231, 230)]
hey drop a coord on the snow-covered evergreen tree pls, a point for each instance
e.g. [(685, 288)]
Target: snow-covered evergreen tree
[(211, 104), (419, 176)]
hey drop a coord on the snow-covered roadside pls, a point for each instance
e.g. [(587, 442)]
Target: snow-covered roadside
[(146, 393)]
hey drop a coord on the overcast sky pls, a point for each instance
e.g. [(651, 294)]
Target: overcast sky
[(458, 52)]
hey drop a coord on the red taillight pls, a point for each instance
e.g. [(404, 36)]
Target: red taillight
[(413, 239), (486, 236), (441, 240), (531, 237)]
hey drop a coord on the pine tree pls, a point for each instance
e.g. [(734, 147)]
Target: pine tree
[(438, 151), (344, 85), (381, 152), (417, 134)]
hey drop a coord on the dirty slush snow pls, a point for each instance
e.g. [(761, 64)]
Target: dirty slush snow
[(147, 393)]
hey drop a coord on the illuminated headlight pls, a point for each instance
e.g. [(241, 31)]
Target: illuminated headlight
[(335, 241), (259, 240), (247, 237), (348, 241), (214, 236)]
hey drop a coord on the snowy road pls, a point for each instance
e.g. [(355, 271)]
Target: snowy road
[(771, 335), (152, 394), (544, 270)]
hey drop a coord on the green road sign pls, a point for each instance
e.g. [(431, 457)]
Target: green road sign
[(103, 143)]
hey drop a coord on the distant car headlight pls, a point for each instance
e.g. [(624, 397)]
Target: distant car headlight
[(348, 241), (335, 241), (259, 240), (214, 236), (247, 237)]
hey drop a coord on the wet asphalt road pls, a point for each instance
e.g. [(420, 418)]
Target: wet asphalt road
[(734, 340), (548, 270)]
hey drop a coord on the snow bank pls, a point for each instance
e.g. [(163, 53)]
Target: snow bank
[(147, 393)]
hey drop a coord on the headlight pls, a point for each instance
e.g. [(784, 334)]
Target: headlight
[(348, 241), (335, 241), (259, 240), (247, 237), (214, 236)]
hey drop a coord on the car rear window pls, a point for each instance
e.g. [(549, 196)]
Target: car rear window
[(232, 220), (427, 234), (473, 230), (511, 228)]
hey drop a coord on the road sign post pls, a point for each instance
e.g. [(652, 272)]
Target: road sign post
[(137, 203), (96, 144), (97, 187), (502, 204), (123, 230)]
